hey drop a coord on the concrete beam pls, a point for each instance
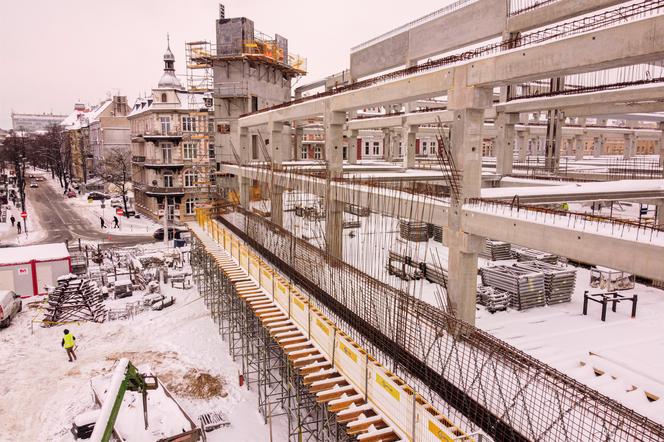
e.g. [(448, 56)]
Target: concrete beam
[(555, 12), (631, 43), (603, 102), (642, 258)]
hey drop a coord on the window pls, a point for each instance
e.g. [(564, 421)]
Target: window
[(376, 148), (366, 148), (167, 152), (190, 178), (254, 103), (432, 146), (211, 153), (168, 179), (317, 153), (189, 206), (424, 147), (304, 154), (345, 153), (189, 124), (190, 151), (164, 98), (165, 124)]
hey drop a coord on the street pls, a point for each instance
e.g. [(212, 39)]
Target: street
[(63, 223)]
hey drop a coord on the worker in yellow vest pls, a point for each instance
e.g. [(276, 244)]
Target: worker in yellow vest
[(68, 342)]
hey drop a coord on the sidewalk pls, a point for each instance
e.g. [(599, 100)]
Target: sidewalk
[(9, 234)]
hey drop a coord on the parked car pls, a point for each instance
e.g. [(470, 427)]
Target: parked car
[(10, 306), (71, 194), (33, 184), (173, 232), (98, 196)]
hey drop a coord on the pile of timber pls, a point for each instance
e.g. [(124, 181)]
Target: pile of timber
[(74, 299), (525, 286), (413, 230), (492, 298), (526, 255), (558, 281), (496, 250)]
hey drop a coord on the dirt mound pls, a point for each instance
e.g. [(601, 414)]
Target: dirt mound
[(195, 384), (181, 380)]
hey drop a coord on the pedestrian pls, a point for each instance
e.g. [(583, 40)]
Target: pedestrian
[(18, 227), (103, 223), (13, 220), (68, 342), (116, 222)]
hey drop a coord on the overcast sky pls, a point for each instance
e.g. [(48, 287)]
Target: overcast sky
[(55, 53)]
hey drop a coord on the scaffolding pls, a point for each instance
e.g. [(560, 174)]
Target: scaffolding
[(301, 365)]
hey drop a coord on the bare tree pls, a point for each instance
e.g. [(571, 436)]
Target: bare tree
[(116, 170)]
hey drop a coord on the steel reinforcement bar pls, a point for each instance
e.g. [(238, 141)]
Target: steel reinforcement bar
[(509, 394)]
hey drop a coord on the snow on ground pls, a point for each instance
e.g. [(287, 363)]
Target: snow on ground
[(42, 392), (35, 233), (93, 211)]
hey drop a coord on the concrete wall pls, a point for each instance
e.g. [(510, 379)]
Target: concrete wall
[(474, 23)]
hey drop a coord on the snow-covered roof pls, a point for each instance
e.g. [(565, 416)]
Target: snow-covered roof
[(73, 120), (40, 252), (187, 101)]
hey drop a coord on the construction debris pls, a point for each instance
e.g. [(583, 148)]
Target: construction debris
[(74, 299), (609, 279), (212, 421)]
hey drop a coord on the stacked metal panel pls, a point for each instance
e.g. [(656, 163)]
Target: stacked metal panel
[(526, 255), (436, 232), (496, 250), (413, 230), (525, 286), (492, 298), (558, 281)]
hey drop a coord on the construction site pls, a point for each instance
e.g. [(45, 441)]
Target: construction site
[(458, 236), (374, 290)]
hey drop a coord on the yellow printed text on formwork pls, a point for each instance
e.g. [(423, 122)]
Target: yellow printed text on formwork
[(281, 292), (396, 403), (350, 361), (235, 244), (244, 257), (254, 267), (267, 279), (299, 310), (322, 332)]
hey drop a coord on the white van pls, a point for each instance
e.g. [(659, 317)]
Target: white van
[(10, 305)]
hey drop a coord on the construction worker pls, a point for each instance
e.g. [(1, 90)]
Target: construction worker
[(68, 342), (116, 224), (103, 223), (13, 220), (565, 207)]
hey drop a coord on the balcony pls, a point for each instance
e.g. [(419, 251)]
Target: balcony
[(163, 191), (138, 159), (175, 162), (175, 135), (231, 89)]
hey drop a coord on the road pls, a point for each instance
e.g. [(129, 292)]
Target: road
[(62, 223)]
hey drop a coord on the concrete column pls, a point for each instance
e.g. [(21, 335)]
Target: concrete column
[(659, 220), (468, 105), (596, 147), (629, 146), (659, 146), (578, 145), (278, 150), (408, 135), (334, 209), (244, 184), (352, 147), (521, 146), (504, 142), (299, 134), (388, 153)]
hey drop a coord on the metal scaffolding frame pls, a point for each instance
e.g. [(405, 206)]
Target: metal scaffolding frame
[(264, 366)]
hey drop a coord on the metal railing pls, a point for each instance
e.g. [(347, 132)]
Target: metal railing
[(162, 190)]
